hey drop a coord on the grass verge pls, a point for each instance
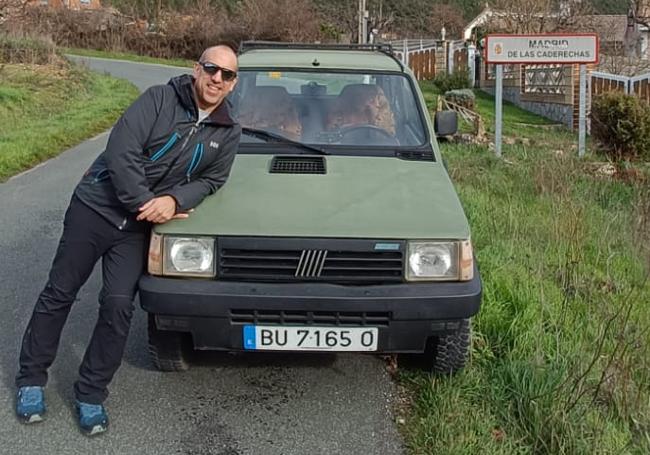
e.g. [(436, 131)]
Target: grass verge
[(560, 361), (45, 109)]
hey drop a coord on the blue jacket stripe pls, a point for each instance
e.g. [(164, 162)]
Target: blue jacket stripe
[(197, 155), (169, 144)]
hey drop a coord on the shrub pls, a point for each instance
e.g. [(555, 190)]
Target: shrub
[(622, 124), (463, 97), (31, 50), (456, 80)]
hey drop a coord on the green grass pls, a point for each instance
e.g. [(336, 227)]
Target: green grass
[(46, 109), (517, 123), (127, 56), (560, 361)]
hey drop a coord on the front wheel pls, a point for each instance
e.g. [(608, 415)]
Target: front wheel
[(168, 350), (447, 354)]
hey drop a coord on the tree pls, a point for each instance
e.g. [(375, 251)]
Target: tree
[(293, 20), (448, 16)]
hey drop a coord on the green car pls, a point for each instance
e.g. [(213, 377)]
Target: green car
[(338, 230)]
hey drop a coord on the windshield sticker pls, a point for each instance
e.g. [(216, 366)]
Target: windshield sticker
[(275, 75), (387, 246)]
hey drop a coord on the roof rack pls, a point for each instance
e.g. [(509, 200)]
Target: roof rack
[(384, 48)]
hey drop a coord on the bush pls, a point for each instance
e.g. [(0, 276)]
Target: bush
[(456, 80), (463, 97), (622, 124), (31, 50)]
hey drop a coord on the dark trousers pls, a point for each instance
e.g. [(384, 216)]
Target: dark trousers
[(86, 237)]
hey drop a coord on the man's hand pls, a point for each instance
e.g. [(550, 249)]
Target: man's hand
[(160, 210)]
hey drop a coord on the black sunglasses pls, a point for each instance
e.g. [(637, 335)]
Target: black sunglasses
[(212, 69)]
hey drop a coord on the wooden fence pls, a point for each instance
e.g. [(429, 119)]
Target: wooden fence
[(428, 58), (638, 86), (461, 60), (423, 64)]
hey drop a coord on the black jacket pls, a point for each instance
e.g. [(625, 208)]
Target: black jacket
[(157, 148)]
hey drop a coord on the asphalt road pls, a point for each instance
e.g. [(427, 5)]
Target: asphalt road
[(227, 405)]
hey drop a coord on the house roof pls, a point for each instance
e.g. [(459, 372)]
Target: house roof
[(610, 27)]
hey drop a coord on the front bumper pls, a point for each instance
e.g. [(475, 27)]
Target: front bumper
[(214, 312)]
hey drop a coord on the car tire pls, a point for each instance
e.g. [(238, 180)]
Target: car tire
[(447, 354), (168, 350)]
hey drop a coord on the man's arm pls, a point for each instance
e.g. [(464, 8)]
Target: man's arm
[(189, 195), (124, 153)]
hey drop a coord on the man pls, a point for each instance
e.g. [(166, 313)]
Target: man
[(172, 147)]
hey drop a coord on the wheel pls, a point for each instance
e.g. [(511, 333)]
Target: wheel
[(168, 350), (447, 354)]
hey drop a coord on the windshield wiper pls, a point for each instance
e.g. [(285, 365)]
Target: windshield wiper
[(267, 136)]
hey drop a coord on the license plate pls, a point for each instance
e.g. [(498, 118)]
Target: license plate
[(277, 338)]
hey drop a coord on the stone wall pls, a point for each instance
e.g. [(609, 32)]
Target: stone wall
[(561, 113), (559, 106)]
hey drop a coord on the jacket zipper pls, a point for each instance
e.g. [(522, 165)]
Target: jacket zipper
[(197, 156), (193, 130)]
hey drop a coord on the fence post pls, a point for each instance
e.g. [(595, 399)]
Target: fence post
[(471, 63), (405, 53)]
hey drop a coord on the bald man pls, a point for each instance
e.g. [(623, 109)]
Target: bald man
[(170, 149)]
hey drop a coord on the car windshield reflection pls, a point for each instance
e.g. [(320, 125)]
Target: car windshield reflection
[(330, 109)]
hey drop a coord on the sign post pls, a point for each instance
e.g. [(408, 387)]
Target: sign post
[(582, 112), (538, 49), (498, 98)]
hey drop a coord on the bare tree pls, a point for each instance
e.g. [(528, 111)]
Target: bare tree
[(448, 16), (537, 16), (293, 20)]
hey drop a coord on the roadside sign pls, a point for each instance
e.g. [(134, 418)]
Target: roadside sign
[(548, 48), (542, 48)]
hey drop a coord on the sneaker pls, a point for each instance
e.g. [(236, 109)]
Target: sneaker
[(30, 404), (92, 418)]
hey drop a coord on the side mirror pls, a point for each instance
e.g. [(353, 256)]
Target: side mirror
[(446, 123)]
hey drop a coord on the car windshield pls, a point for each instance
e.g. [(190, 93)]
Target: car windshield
[(330, 109)]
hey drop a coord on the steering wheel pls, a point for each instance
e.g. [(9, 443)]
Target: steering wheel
[(367, 134)]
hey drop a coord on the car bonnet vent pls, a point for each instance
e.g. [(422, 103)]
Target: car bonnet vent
[(298, 165)]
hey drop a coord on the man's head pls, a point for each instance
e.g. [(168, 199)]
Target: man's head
[(215, 76)]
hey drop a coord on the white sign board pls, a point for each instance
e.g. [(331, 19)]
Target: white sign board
[(542, 48)]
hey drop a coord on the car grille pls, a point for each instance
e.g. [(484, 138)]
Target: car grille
[(317, 318), (290, 260)]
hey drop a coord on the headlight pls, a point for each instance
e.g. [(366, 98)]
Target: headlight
[(439, 261), (188, 256)]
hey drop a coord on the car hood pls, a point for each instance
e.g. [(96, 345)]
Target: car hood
[(358, 197)]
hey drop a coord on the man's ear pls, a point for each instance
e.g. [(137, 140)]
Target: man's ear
[(234, 83), (196, 71)]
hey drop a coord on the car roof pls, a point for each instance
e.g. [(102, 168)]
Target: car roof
[(325, 59)]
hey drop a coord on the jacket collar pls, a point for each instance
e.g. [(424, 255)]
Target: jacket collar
[(183, 85)]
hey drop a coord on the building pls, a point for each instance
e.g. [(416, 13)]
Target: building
[(70, 4), (620, 35)]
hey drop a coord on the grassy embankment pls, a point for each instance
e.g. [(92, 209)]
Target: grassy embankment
[(45, 109), (560, 361)]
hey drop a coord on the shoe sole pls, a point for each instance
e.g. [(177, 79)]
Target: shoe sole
[(97, 429), (34, 418)]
